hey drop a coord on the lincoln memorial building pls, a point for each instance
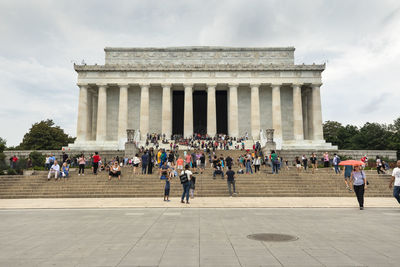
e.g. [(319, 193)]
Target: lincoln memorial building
[(207, 90)]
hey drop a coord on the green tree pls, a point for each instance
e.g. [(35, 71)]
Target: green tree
[(346, 136), (45, 136), (38, 159), (3, 143), (331, 132), (372, 136), (2, 155)]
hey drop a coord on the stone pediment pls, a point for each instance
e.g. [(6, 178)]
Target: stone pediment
[(200, 67), (199, 56)]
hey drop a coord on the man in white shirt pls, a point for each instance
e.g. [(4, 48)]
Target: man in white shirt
[(55, 168), (396, 180), (186, 185)]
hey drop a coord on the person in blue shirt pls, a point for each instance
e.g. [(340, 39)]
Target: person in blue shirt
[(65, 170), (145, 162), (167, 188), (347, 174)]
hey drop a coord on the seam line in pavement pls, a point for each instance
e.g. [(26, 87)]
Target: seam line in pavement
[(305, 251), (141, 237), (271, 253), (230, 242), (169, 240)]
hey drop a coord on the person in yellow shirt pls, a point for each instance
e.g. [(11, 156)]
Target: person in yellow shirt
[(159, 157)]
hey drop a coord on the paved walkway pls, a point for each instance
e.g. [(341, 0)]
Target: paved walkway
[(199, 237), (205, 202)]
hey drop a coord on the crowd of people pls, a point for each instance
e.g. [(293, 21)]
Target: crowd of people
[(198, 141), (170, 164)]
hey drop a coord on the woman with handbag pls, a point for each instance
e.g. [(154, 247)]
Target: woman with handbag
[(359, 181)]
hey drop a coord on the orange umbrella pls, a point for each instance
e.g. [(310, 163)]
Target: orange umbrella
[(351, 163)]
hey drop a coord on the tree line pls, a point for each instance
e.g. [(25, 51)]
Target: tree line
[(371, 136)]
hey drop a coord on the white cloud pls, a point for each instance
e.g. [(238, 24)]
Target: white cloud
[(39, 39)]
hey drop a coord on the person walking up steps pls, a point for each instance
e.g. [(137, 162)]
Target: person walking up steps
[(396, 180), (256, 163), (336, 160), (185, 177), (230, 177), (305, 162), (192, 186), (347, 175)]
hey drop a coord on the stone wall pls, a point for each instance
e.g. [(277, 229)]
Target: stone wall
[(354, 154), (199, 55), (58, 153), (371, 154)]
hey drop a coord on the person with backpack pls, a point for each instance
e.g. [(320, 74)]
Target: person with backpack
[(185, 177), (336, 161)]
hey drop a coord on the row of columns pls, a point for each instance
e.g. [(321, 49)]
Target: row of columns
[(85, 119)]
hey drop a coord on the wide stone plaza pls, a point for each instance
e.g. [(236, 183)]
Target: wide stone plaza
[(199, 237)]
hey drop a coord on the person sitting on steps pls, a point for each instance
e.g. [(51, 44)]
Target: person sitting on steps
[(115, 171)]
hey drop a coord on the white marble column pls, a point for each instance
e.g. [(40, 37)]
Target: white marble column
[(297, 113), (304, 101), (89, 115), (255, 111), (233, 119), (102, 113), (94, 115), (211, 110), (188, 114), (309, 114), (122, 115), (317, 113), (166, 124), (144, 110), (81, 129), (277, 114)]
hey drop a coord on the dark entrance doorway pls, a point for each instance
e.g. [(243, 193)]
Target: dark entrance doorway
[(178, 100), (200, 112), (222, 112)]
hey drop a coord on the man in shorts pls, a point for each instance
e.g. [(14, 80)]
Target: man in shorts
[(314, 161), (347, 174), (179, 164)]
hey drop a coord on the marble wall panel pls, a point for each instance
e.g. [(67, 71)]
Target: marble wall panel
[(134, 107), (265, 95), (244, 99), (155, 109), (287, 112), (112, 113)]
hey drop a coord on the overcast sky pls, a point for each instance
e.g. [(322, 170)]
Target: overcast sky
[(39, 40)]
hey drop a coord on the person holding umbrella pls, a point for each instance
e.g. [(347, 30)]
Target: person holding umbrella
[(358, 179)]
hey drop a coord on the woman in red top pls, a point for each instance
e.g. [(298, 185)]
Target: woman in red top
[(96, 159)]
